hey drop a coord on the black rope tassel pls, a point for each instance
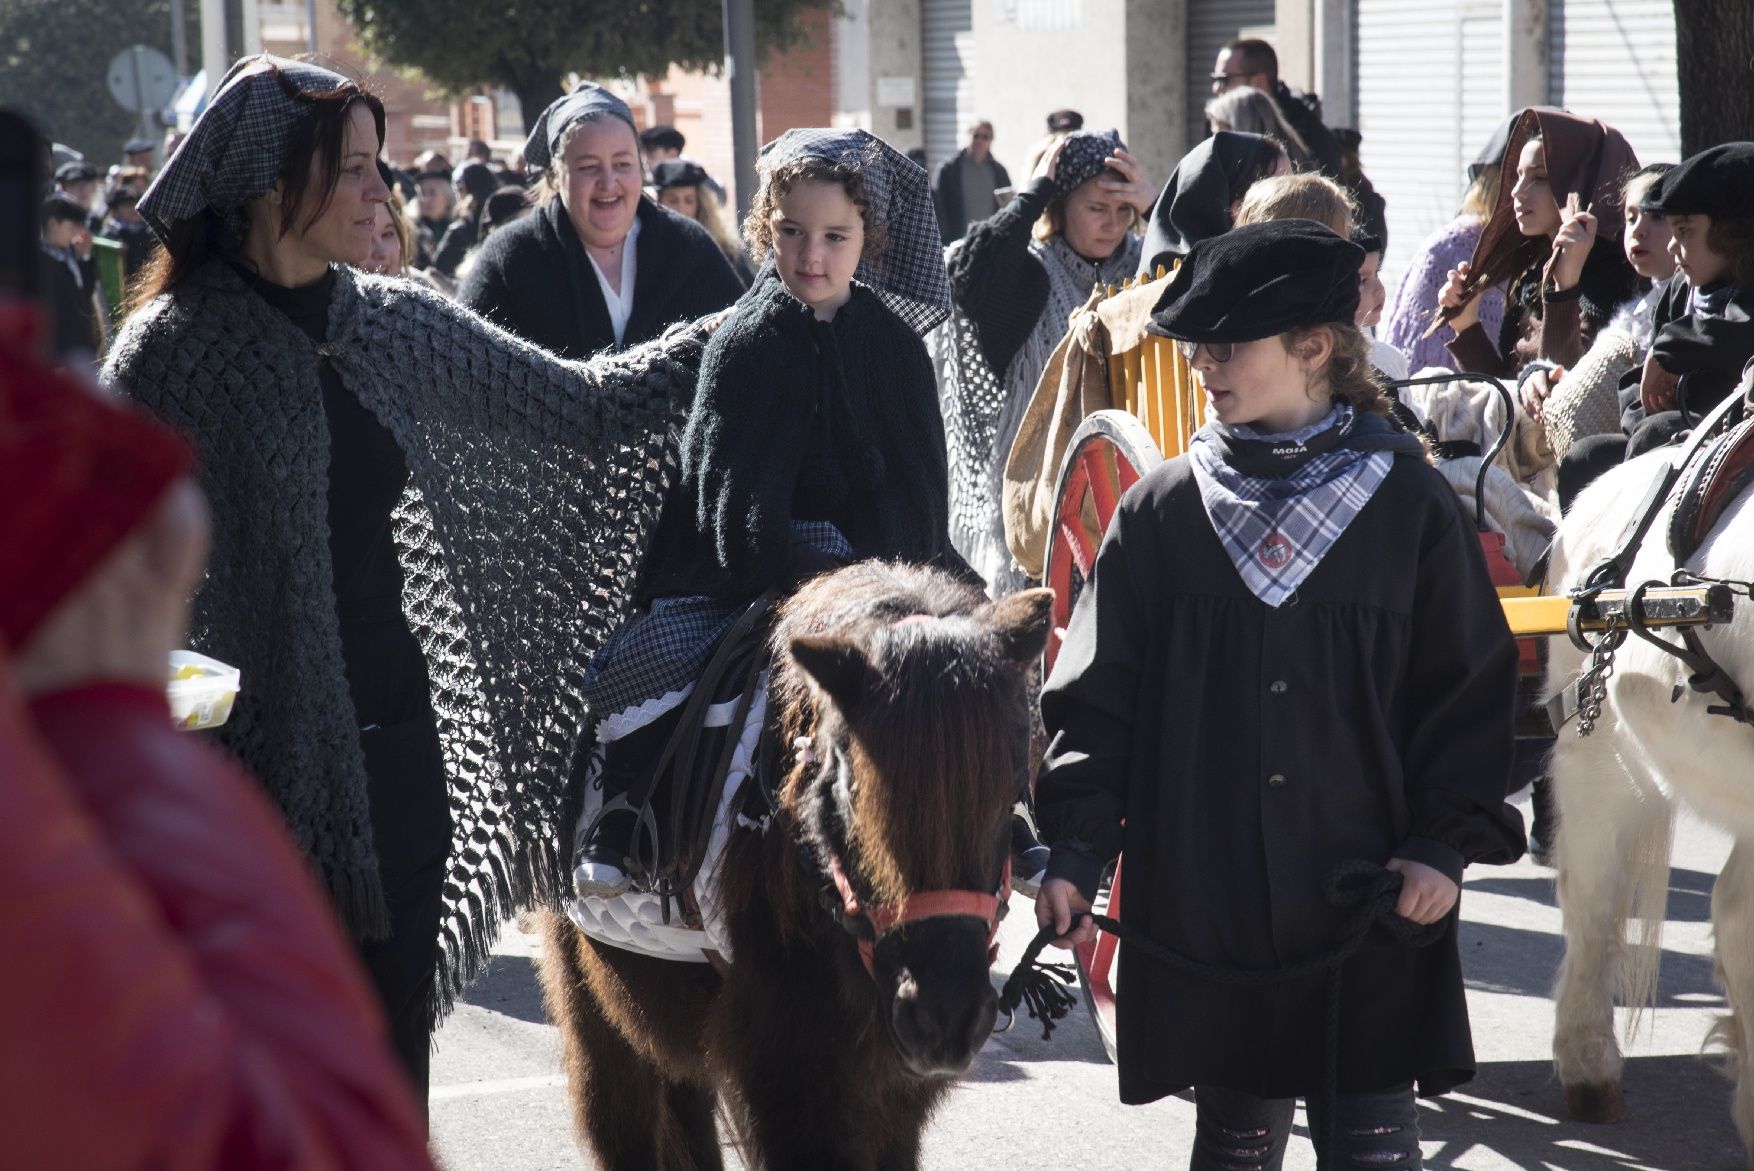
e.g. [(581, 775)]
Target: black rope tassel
[(1040, 986)]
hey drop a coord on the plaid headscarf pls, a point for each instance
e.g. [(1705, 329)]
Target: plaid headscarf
[(1277, 529), (588, 100), (234, 152), (909, 275)]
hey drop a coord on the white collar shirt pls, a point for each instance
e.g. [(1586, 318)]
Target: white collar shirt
[(619, 301)]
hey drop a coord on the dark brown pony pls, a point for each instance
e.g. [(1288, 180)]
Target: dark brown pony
[(909, 688)]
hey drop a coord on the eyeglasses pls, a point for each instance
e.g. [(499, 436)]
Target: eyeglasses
[(1220, 352), (1221, 80), (983, 137)]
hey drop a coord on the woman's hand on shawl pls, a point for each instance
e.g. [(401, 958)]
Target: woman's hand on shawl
[(1450, 297), (122, 622), (1427, 894), (1132, 190), (1060, 905), (1571, 246)]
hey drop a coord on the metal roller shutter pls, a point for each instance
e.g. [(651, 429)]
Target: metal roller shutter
[(1430, 88), (946, 28), (1212, 24), (1615, 60)]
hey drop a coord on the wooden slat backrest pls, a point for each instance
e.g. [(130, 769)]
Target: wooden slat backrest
[(1150, 380)]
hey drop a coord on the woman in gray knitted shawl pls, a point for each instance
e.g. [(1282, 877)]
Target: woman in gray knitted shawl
[(422, 526), (1014, 281)]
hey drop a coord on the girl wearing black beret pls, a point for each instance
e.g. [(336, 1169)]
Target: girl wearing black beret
[(1303, 598)]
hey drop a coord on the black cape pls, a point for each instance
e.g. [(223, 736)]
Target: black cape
[(1248, 750), (533, 278), (800, 419)]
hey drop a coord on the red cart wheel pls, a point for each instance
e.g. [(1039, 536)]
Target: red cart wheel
[(1108, 454)]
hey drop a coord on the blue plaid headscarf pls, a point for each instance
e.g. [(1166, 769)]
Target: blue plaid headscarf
[(235, 150), (909, 276)]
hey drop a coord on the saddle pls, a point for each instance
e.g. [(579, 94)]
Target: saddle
[(679, 803), (1714, 475)]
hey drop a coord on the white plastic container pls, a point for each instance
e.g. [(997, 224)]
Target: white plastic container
[(201, 690)]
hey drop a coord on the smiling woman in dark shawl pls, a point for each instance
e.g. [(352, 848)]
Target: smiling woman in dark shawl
[(598, 265), (1205, 186)]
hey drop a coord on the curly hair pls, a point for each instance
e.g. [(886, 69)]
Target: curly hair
[(1733, 239), (758, 225), (1349, 376)]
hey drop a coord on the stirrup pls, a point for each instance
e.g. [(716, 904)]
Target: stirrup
[(597, 879)]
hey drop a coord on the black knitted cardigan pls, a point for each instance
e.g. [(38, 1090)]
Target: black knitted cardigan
[(533, 277), (534, 488), (996, 282), (800, 419)]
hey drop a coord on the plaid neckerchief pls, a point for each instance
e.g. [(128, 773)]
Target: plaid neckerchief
[(1278, 529), (909, 276)]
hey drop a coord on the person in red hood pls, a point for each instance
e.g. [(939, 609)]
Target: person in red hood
[(175, 993)]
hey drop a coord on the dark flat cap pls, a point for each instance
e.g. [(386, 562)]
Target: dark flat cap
[(504, 205), (662, 138), (1063, 120), (1715, 182), (136, 146), (678, 173), (1258, 281), (77, 171)]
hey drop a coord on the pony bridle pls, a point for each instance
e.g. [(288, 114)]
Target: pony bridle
[(869, 923)]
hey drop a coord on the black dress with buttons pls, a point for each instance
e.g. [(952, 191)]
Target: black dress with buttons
[(1247, 750), (386, 675)]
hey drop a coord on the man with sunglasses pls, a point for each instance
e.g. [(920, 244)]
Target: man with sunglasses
[(963, 188), (1251, 61)]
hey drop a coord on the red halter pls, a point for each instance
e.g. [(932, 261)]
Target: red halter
[(933, 904)]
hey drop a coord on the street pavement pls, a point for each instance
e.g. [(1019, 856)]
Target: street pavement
[(499, 1104)]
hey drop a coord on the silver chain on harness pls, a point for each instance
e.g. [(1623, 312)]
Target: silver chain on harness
[(1592, 685)]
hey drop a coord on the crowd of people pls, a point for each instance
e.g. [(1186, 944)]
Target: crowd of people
[(406, 437)]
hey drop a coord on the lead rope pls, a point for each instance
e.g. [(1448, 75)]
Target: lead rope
[(1366, 888)]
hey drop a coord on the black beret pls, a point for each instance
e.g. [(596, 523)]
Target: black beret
[(1259, 281), (662, 138), (1715, 182), (678, 173), (1063, 120), (504, 205), (77, 171), (136, 146)]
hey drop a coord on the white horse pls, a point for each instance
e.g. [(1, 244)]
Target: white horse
[(1616, 792)]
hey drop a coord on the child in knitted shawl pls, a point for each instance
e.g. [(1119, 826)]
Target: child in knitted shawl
[(814, 440)]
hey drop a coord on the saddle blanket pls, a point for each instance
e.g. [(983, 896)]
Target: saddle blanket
[(634, 920)]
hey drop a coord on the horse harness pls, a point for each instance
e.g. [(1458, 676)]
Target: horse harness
[(865, 920), (1716, 464)]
